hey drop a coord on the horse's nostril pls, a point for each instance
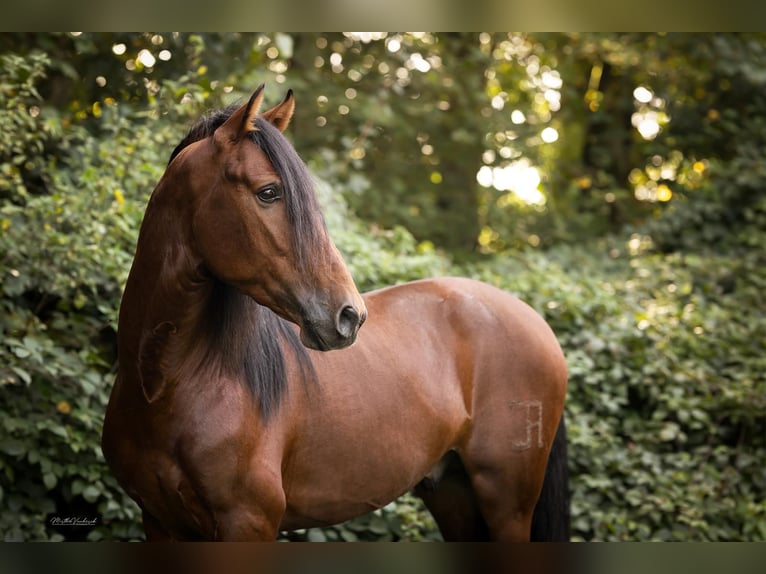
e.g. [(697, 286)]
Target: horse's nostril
[(348, 321)]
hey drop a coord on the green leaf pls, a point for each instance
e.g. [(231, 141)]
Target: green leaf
[(77, 487), (91, 493), (23, 375), (21, 352), (59, 430), (50, 480), (12, 447), (348, 535), (378, 525), (316, 535)]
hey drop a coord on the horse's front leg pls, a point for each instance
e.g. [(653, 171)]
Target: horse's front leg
[(246, 524), (153, 530), (221, 513), (249, 507)]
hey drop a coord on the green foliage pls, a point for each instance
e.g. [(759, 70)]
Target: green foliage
[(23, 138), (70, 213), (727, 211), (405, 519), (63, 251), (376, 257)]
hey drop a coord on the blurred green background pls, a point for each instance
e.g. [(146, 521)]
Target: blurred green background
[(616, 182)]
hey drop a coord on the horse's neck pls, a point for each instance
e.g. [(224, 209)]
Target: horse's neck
[(162, 280), (164, 301), (161, 294)]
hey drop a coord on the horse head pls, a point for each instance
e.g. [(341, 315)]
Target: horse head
[(257, 225)]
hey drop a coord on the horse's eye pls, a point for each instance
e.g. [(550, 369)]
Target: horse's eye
[(268, 194)]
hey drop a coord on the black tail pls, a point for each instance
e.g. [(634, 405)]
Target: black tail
[(550, 522)]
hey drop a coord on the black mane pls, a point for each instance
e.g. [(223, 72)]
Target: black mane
[(252, 341), (250, 337)]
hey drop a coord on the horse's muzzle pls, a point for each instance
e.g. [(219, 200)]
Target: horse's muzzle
[(323, 332)]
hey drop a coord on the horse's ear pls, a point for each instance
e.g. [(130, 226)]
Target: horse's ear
[(281, 114), (242, 121)]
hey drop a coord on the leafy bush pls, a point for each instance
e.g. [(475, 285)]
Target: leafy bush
[(727, 212), (71, 200), (377, 257)]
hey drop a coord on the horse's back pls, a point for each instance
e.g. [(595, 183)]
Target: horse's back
[(476, 310)]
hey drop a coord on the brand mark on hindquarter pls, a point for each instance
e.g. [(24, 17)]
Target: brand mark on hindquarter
[(531, 413)]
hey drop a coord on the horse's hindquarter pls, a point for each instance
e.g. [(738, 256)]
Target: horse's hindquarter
[(434, 358)]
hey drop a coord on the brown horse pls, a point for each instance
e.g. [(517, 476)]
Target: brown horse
[(226, 422)]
